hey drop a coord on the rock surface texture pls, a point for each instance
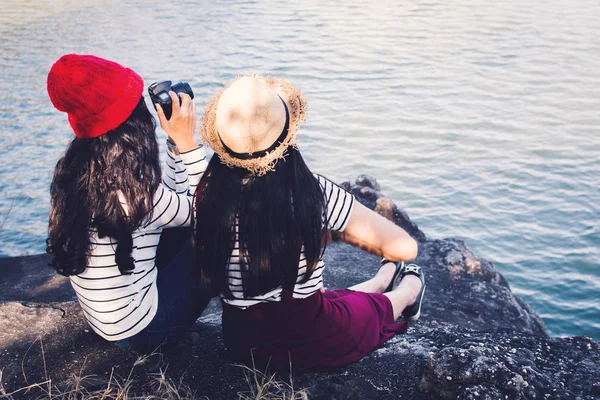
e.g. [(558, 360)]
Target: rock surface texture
[(475, 339)]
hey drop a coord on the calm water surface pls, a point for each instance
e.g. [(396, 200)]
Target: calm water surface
[(481, 119)]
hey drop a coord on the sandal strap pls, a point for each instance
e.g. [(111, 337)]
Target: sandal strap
[(412, 269)]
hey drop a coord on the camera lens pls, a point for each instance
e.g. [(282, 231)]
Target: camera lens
[(183, 87)]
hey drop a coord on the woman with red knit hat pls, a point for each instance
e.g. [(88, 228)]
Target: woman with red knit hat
[(109, 204)]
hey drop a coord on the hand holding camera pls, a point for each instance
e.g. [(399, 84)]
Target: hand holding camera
[(176, 112), (159, 93)]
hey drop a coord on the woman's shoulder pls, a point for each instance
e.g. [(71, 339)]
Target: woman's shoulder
[(323, 180), (327, 184)]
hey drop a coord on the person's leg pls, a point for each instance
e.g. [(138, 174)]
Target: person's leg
[(181, 299), (171, 243), (404, 294), (379, 282), (181, 291)]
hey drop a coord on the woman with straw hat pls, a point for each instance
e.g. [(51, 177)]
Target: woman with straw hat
[(265, 218), (109, 205)]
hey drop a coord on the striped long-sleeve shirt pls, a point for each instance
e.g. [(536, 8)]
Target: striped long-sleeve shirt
[(339, 206), (118, 306)]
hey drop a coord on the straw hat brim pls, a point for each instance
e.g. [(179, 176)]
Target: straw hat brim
[(296, 104)]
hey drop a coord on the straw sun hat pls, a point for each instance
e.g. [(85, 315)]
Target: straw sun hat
[(252, 121)]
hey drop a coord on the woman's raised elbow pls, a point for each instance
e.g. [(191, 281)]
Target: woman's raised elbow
[(404, 248), (412, 249)]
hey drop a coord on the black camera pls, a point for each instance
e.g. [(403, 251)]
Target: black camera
[(159, 93)]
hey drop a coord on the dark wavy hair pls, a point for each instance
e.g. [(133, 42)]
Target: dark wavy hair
[(88, 182), (277, 214)]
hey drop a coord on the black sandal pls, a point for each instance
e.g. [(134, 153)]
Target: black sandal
[(413, 312), (397, 274)]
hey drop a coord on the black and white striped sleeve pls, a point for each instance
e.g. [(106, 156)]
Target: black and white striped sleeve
[(194, 163), (175, 175), (184, 170), (173, 208), (170, 209), (339, 204)]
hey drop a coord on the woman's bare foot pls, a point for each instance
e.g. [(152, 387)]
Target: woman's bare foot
[(411, 284), (412, 311), (385, 275)]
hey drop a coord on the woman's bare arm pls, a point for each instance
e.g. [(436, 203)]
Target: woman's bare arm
[(372, 232)]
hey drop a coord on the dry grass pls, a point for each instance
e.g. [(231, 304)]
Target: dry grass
[(157, 386), (264, 386)]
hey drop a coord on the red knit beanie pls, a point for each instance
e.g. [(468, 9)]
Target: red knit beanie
[(98, 95)]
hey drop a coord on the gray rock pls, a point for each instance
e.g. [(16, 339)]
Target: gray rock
[(30, 278), (367, 181), (475, 339)]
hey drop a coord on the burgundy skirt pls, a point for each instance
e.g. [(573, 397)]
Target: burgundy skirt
[(321, 332)]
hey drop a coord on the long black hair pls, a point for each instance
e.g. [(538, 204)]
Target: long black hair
[(91, 180), (277, 214)]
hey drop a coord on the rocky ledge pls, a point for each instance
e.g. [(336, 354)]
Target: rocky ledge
[(475, 339)]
